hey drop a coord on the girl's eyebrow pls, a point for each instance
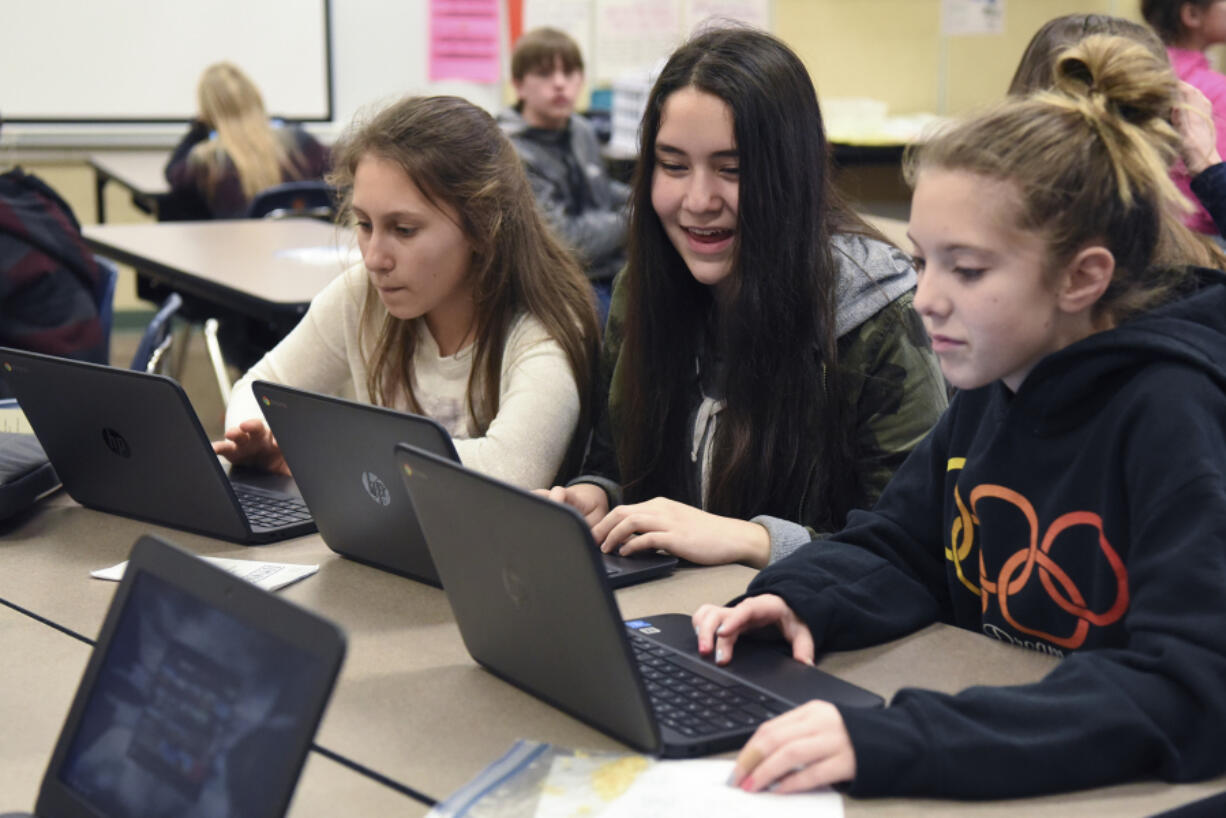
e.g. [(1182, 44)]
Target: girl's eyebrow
[(663, 147), (950, 248), (395, 214)]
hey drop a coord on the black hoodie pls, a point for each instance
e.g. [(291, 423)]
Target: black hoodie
[(1085, 517)]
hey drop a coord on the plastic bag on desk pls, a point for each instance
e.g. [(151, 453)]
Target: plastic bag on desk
[(535, 779)]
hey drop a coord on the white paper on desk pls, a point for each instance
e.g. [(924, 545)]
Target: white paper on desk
[(268, 575), (636, 787), (12, 419), (338, 256)]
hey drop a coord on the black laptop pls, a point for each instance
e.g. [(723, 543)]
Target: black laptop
[(522, 575), (342, 456), (201, 697), (129, 443)]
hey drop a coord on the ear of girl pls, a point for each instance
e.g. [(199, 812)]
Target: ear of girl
[(465, 307), (1069, 501), (763, 370)]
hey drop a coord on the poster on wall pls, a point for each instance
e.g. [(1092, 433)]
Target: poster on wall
[(565, 15), (632, 37), (972, 17), (701, 13), (464, 40)]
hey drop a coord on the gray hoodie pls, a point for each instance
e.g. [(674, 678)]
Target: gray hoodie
[(575, 193)]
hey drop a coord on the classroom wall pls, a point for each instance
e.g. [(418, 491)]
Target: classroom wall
[(888, 49), (892, 50)]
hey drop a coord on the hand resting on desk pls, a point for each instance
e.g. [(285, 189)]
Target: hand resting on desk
[(803, 749), (251, 443)]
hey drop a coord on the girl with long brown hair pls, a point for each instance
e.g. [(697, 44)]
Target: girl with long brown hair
[(465, 307)]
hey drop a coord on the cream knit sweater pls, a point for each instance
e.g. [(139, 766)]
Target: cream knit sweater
[(538, 400)]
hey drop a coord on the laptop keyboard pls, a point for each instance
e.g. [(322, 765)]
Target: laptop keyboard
[(271, 511), (699, 702)]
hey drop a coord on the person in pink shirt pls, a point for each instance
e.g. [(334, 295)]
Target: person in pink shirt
[(1188, 27)]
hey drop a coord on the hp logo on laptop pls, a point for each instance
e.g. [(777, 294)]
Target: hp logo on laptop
[(376, 489), (516, 588), (115, 442)]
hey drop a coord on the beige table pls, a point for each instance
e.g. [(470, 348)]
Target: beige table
[(141, 172), (411, 704), (35, 697), (262, 268)]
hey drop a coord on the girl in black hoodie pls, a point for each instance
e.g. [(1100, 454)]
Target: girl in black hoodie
[(1072, 499)]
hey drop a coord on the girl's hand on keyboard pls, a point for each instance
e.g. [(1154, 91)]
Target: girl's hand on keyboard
[(683, 531), (588, 499), (251, 444), (803, 749), (718, 627)]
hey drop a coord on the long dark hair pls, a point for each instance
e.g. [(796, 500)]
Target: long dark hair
[(776, 331), (456, 154)]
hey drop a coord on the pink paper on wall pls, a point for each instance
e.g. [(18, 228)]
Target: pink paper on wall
[(464, 40)]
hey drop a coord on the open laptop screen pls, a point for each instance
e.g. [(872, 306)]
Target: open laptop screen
[(191, 713)]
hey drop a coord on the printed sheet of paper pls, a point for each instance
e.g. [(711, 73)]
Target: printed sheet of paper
[(632, 36), (464, 38), (268, 575), (565, 15), (751, 12), (971, 17), (12, 419)]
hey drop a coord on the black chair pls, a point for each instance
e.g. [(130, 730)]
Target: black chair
[(315, 199)]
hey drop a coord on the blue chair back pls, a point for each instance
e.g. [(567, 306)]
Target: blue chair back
[(157, 337), (104, 298), (313, 198)]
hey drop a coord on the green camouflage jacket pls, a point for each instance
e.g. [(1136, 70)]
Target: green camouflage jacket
[(891, 378)]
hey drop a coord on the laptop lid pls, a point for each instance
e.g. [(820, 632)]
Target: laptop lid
[(129, 443), (533, 606), (201, 697), (341, 455)]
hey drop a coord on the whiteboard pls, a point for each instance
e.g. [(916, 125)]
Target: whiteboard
[(139, 60)]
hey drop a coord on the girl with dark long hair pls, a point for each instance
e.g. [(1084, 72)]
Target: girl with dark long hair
[(764, 370)]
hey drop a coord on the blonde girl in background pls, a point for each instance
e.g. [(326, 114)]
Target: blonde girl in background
[(232, 150)]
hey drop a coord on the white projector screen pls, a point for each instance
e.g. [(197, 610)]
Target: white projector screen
[(79, 61)]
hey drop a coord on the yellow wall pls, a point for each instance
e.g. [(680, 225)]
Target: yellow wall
[(892, 50), (887, 49)]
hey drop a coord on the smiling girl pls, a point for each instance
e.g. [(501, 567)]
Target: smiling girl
[(464, 308), (763, 368), (1072, 499)]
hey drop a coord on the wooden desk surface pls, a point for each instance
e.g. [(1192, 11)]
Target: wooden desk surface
[(34, 699), (140, 171), (250, 265), (412, 705)]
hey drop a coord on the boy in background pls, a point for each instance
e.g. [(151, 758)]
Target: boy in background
[(562, 156)]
